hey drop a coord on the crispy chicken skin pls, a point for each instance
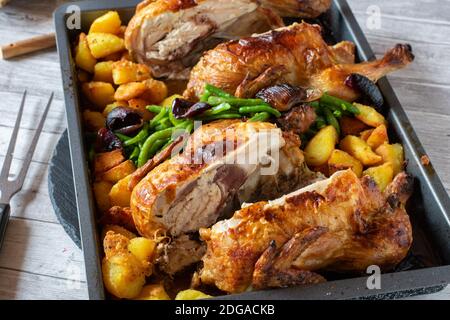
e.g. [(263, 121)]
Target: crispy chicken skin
[(297, 8), (296, 55), (339, 224)]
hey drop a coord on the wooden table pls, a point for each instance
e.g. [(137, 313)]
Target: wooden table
[(39, 261)]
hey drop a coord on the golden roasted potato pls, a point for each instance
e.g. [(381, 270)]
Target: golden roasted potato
[(83, 76), (130, 90), (103, 71), (101, 193), (119, 230), (140, 106), (320, 147), (112, 106), (369, 115), (359, 149), (118, 172), (378, 137), (350, 125), (126, 71), (120, 195), (341, 160), (104, 44), (392, 153), (153, 292), (167, 102), (107, 160), (107, 23), (93, 120), (191, 294), (83, 56), (144, 250), (365, 134), (99, 93), (382, 175), (156, 91)]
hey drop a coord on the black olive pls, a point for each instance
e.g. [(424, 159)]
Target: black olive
[(179, 107), (107, 141), (283, 96), (366, 87), (123, 117)]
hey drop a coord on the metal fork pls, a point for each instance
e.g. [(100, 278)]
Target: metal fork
[(8, 188)]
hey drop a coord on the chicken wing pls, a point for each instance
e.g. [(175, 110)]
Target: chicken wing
[(339, 224), (296, 55)]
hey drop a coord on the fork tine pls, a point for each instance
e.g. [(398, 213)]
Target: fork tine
[(12, 142), (23, 171)]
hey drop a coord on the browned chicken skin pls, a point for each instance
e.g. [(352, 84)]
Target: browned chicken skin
[(296, 55), (339, 224)]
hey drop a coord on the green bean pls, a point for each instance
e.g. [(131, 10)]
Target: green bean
[(189, 127), (184, 124), (217, 92), (172, 118), (342, 104), (260, 108), (167, 144), (314, 104), (144, 155), (142, 135), (332, 120), (320, 122), (262, 116), (154, 108), (163, 124), (214, 101), (337, 113), (156, 147), (135, 153), (223, 107), (221, 116), (122, 137), (162, 113), (204, 97)]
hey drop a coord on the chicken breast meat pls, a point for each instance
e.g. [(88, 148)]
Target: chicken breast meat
[(339, 224), (295, 55)]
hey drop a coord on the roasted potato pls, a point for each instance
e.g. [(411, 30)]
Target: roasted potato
[(126, 71), (112, 106), (359, 149), (83, 56), (365, 134), (140, 106), (130, 90), (104, 44), (350, 125), (120, 195), (378, 137), (107, 23), (144, 250), (156, 91), (153, 292), (382, 175), (93, 120), (103, 71), (99, 93), (107, 160), (341, 160), (369, 115), (116, 56), (118, 172), (392, 153), (119, 230), (320, 147), (101, 193), (191, 294), (83, 76), (167, 102)]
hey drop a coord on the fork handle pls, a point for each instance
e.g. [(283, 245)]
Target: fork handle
[(4, 218)]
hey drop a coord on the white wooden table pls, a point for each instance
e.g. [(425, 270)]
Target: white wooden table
[(39, 261)]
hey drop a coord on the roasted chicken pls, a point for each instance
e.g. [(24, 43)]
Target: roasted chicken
[(295, 55), (339, 224)]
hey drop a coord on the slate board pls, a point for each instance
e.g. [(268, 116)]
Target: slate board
[(62, 190)]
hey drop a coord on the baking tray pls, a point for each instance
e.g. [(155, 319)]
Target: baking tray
[(426, 269)]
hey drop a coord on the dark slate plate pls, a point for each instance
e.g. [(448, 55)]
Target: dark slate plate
[(61, 189)]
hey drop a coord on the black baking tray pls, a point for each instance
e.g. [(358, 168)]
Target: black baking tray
[(427, 267)]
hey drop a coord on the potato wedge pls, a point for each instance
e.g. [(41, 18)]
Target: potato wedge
[(93, 120), (107, 23), (369, 115), (101, 192), (104, 44), (99, 93), (153, 292), (107, 160), (350, 125), (392, 153), (365, 134), (103, 71), (126, 71), (378, 137), (120, 195), (341, 160), (118, 172), (360, 150), (320, 147), (191, 294), (382, 174), (130, 90), (156, 91), (83, 56)]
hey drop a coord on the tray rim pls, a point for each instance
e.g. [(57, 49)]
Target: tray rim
[(339, 289)]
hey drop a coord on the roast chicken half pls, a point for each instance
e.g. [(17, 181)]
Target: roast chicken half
[(170, 35), (295, 55), (339, 224)]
